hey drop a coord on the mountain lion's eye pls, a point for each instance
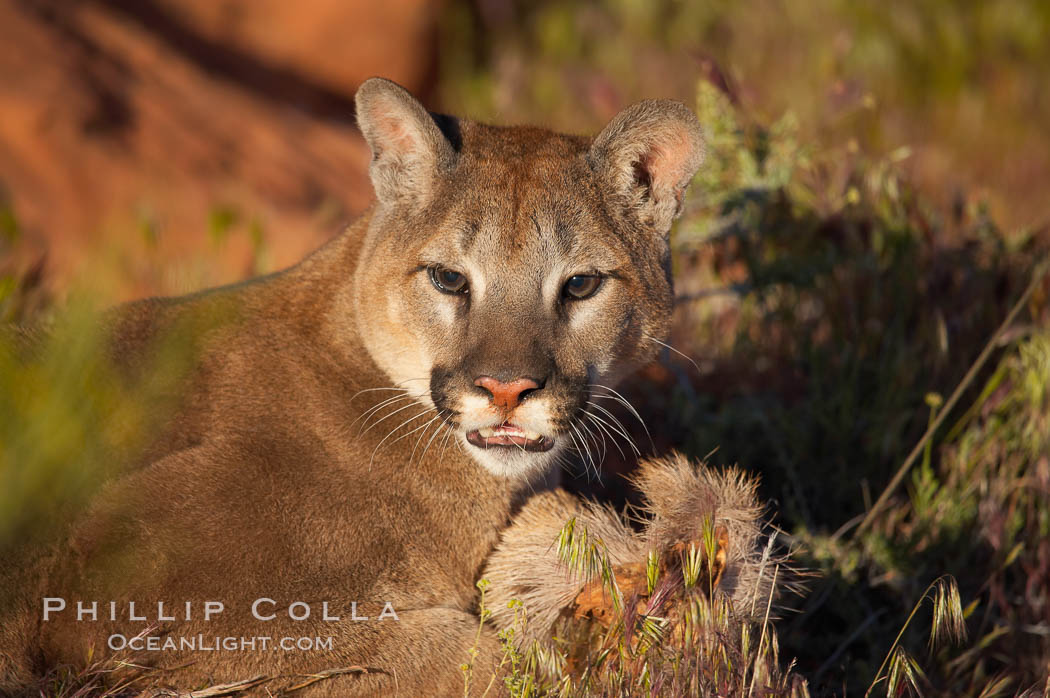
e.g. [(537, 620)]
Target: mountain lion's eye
[(581, 286), (448, 281)]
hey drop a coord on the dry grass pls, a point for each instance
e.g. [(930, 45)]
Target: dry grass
[(826, 305)]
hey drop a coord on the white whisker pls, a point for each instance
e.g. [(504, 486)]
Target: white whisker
[(586, 452), (375, 408), (576, 448), (598, 421), (372, 390), (419, 440), (626, 403), (668, 346), (391, 414), (616, 425), (587, 432), (437, 431), (449, 434), (392, 432)]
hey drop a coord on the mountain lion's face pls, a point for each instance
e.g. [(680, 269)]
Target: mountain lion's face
[(512, 275)]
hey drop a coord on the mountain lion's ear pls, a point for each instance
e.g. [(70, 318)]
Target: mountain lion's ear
[(648, 153), (409, 149)]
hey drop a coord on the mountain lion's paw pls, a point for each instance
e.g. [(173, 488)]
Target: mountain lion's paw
[(701, 537)]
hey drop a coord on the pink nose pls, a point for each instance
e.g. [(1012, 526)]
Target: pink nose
[(506, 396)]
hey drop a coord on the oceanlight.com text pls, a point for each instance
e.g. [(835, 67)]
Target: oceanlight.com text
[(216, 643)]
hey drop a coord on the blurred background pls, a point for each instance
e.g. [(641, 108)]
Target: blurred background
[(172, 128), (873, 204)]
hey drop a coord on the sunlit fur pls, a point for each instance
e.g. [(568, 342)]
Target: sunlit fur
[(317, 452), (519, 211), (681, 498)]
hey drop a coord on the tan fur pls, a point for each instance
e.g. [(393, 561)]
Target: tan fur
[(679, 497), (265, 483)]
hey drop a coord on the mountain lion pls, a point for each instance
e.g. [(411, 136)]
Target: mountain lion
[(355, 428)]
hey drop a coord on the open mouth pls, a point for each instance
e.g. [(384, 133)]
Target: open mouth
[(508, 435)]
